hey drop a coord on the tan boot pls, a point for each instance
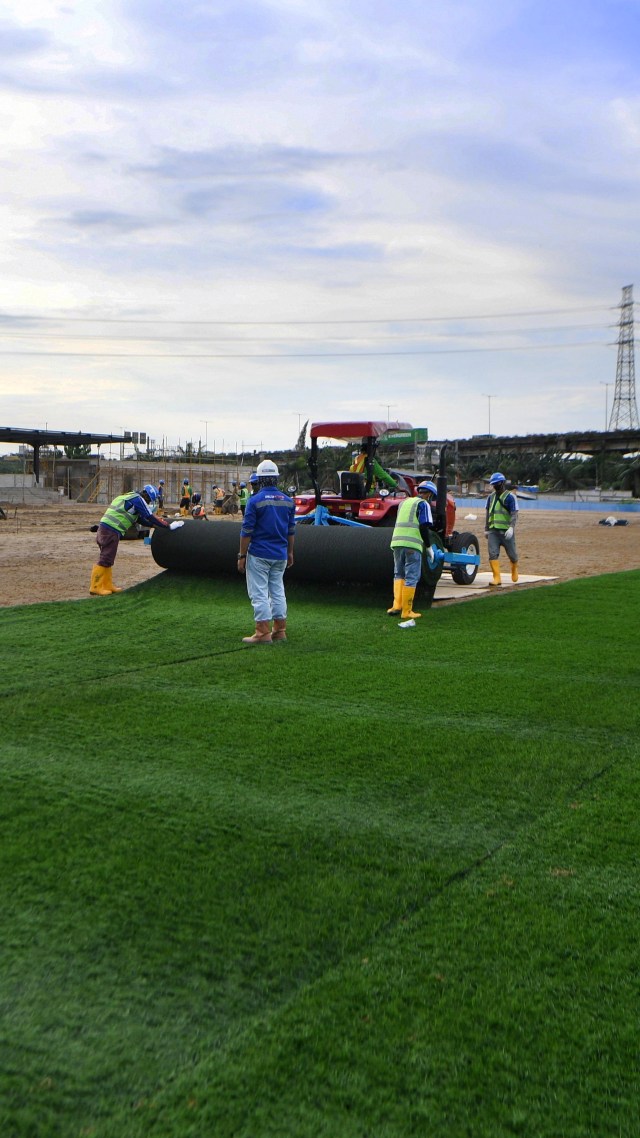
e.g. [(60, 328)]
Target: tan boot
[(279, 630), (98, 586), (262, 634), (407, 603), (514, 570), (396, 608), (108, 581), (495, 566)]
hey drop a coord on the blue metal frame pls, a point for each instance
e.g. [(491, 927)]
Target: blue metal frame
[(322, 517)]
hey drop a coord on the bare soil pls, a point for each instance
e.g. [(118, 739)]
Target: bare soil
[(46, 552)]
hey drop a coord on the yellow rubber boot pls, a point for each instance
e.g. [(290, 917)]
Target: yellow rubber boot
[(98, 586), (396, 608), (514, 570), (407, 603), (108, 581), (495, 566)]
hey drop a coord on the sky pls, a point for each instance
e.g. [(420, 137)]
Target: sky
[(224, 218)]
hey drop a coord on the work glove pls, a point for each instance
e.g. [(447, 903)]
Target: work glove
[(508, 533), (175, 525)]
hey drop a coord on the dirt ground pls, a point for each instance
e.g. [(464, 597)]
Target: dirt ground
[(46, 552)]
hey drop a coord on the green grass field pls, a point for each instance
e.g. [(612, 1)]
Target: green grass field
[(365, 884)]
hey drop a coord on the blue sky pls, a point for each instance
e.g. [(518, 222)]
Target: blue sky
[(219, 217)]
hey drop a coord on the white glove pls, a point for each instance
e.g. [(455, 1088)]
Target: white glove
[(176, 525), (508, 533)]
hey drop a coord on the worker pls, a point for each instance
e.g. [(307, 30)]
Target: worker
[(500, 524), (253, 483), (160, 495), (185, 500), (266, 550), (359, 466), (197, 508), (218, 498), (125, 511), (408, 541), (243, 497)]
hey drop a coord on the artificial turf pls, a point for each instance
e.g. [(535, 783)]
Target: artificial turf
[(369, 882)]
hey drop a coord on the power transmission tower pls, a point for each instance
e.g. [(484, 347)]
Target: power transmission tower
[(624, 412)]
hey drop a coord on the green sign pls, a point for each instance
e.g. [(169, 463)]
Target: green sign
[(405, 438)]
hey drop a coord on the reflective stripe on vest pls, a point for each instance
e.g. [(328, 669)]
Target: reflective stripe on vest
[(406, 532), (117, 516), (499, 516)]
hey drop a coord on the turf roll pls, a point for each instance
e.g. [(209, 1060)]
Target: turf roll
[(321, 553)]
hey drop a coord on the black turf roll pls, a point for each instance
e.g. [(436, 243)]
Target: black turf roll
[(321, 553)]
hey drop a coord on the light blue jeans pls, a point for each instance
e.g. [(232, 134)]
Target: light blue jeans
[(265, 587), (407, 565)]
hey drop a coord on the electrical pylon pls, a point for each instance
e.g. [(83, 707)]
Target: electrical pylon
[(624, 412)]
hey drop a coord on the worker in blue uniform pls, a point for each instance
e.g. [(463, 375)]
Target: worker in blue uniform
[(266, 550)]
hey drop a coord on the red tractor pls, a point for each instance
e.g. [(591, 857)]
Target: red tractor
[(370, 494)]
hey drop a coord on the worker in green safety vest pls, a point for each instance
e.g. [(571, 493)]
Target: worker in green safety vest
[(125, 511), (500, 524), (410, 536)]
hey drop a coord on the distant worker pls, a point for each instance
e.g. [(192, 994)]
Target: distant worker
[(218, 497), (125, 511), (500, 524), (266, 550), (160, 495), (197, 508), (253, 483), (185, 500), (243, 497), (410, 537)]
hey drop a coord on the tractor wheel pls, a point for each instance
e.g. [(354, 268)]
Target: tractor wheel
[(464, 543)]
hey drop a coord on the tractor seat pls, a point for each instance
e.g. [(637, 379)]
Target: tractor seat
[(352, 485)]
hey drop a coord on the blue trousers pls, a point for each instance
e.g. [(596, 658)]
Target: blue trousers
[(407, 565), (265, 587)]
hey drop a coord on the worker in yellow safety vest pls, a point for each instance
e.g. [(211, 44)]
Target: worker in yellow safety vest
[(409, 539), (500, 523)]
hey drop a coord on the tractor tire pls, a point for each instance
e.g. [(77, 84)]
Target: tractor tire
[(464, 543)]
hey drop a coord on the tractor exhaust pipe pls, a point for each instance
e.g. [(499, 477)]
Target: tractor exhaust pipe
[(440, 519)]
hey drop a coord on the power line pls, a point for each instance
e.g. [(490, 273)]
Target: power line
[(281, 323), (54, 336), (305, 355)]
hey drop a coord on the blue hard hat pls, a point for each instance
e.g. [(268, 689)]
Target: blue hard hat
[(253, 478), (151, 492), (430, 486), (242, 485), (497, 478)]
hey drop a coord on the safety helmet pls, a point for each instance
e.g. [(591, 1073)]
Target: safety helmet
[(161, 482), (253, 478), (497, 478), (195, 498), (267, 469), (425, 486), (243, 485), (185, 481), (151, 493)]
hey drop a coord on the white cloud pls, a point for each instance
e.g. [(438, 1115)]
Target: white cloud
[(294, 160)]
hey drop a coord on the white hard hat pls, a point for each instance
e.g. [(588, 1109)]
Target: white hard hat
[(267, 469)]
